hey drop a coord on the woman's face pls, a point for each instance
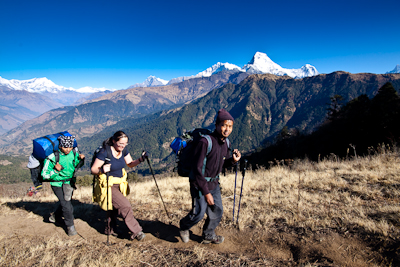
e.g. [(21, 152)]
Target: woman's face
[(120, 144)]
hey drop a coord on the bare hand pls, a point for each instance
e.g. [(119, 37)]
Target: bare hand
[(81, 156), (236, 155), (106, 168), (58, 167), (209, 199)]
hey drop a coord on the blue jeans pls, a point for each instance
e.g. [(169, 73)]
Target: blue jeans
[(199, 208)]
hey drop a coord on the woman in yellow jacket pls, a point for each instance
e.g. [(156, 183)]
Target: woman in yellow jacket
[(118, 186)]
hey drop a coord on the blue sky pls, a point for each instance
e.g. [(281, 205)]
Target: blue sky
[(115, 44)]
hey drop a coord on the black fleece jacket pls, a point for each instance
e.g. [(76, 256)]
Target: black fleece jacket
[(216, 161)]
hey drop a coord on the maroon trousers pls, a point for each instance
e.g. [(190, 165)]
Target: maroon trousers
[(121, 207)]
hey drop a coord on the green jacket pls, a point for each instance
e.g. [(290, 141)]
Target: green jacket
[(67, 161)]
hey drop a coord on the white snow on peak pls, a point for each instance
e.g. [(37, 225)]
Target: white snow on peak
[(44, 85), (149, 82), (35, 85), (395, 70), (261, 63), (216, 68), (208, 72), (90, 90)]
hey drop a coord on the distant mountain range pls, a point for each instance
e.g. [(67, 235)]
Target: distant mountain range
[(259, 64), (60, 94), (95, 115), (56, 96), (262, 104)]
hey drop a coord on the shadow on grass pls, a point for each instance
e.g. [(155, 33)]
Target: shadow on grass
[(167, 232), (95, 217), (92, 214)]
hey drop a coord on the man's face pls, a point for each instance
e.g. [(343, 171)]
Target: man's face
[(224, 128), (66, 150)]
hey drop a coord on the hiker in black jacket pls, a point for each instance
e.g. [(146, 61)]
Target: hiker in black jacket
[(204, 180)]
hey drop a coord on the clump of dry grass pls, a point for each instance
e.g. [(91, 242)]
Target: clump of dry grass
[(53, 251), (346, 211)]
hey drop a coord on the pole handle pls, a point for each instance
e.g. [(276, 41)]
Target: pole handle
[(244, 167)]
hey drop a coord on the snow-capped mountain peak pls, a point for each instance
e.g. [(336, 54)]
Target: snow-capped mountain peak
[(208, 72), (150, 81), (35, 85), (44, 85), (395, 70), (261, 63), (90, 90), (217, 68)]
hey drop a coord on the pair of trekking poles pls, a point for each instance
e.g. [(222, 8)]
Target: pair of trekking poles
[(241, 190)]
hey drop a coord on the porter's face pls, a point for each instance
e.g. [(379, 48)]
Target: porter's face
[(66, 150), (224, 128)]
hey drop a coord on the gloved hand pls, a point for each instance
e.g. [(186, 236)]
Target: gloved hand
[(143, 157)]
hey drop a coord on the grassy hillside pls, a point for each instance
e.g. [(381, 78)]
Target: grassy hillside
[(14, 170), (329, 213)]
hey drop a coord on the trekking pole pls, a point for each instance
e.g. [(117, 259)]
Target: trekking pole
[(107, 161), (151, 169), (234, 192), (241, 189)]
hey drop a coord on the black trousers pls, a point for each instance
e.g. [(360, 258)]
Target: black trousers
[(35, 173), (65, 208)]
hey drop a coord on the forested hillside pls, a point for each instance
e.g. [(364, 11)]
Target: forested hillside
[(262, 106), (360, 127)]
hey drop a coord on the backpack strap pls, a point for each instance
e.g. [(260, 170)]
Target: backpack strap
[(57, 158), (203, 169), (209, 148), (109, 152)]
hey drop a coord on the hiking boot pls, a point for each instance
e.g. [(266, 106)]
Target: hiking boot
[(71, 230), (55, 219), (184, 235), (140, 236), (215, 240), (114, 233), (52, 218)]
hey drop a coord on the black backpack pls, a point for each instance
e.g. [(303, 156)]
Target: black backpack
[(184, 145), (109, 154)]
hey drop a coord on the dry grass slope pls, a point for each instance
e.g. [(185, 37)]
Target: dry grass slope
[(330, 213)]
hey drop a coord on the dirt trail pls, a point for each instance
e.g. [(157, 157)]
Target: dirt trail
[(28, 218), (278, 243)]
